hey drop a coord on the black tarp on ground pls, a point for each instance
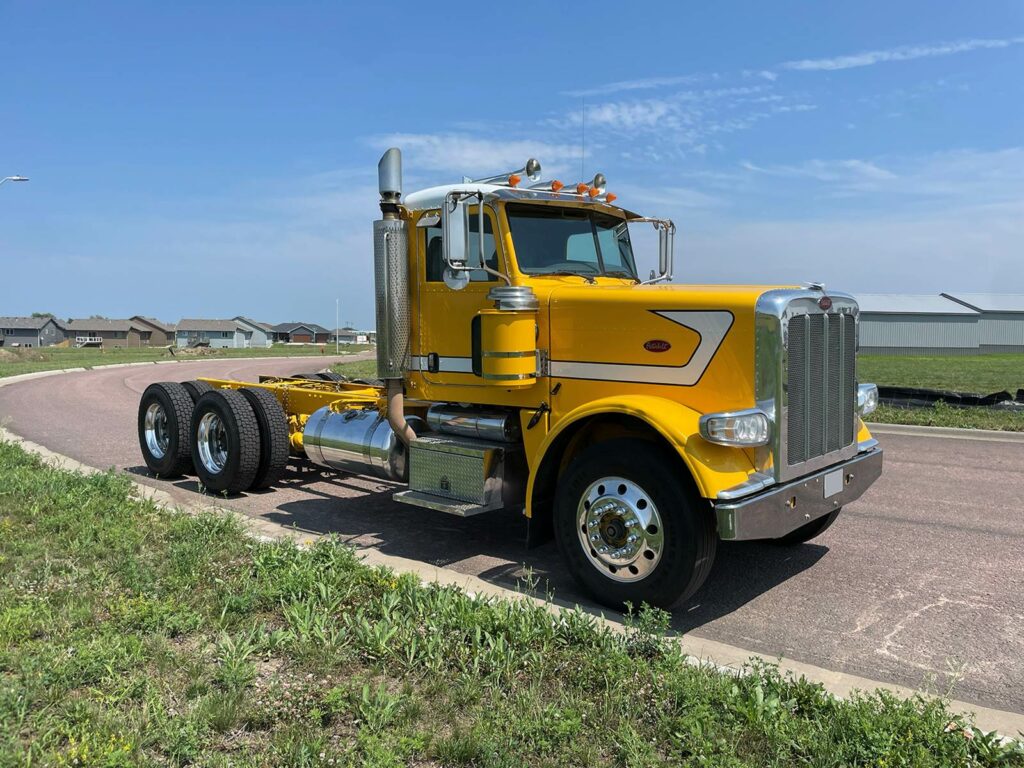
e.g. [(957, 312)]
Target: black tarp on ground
[(916, 397)]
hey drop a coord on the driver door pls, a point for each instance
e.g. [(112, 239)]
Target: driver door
[(442, 346)]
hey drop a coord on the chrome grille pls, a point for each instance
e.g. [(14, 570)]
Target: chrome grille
[(820, 384)]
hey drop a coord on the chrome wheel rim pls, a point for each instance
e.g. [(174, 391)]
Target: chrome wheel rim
[(158, 438), (620, 529), (212, 443)]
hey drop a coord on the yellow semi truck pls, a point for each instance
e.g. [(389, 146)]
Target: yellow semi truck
[(526, 364)]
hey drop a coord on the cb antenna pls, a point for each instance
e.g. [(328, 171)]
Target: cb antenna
[(583, 137)]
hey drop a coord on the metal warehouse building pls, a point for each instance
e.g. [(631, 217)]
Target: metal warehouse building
[(912, 324), (1001, 321)]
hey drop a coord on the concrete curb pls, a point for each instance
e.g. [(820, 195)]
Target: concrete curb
[(949, 433), (724, 657)]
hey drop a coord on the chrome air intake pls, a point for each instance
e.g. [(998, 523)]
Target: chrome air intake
[(358, 442), (806, 378), (391, 271)]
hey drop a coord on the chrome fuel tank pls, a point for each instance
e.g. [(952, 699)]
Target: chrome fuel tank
[(358, 442)]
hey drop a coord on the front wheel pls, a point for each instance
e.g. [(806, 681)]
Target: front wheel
[(630, 528)]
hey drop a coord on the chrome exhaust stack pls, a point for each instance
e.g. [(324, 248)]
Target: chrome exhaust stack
[(391, 290)]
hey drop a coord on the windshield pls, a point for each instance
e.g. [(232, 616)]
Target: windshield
[(556, 240)]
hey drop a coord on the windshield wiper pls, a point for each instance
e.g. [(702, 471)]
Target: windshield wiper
[(566, 273), (621, 273)]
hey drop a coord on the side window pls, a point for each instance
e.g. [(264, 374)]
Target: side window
[(435, 251), (611, 249)]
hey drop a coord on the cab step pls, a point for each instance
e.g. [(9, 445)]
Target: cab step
[(441, 504)]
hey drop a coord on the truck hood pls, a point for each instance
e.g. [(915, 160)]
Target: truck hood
[(678, 336)]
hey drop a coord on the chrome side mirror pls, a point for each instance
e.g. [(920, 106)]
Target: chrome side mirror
[(455, 230)]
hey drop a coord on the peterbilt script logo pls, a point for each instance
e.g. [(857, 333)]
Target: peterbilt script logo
[(657, 345)]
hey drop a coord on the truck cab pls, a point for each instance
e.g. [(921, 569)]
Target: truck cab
[(527, 364)]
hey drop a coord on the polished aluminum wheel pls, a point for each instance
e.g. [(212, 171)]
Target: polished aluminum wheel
[(158, 438), (212, 443), (620, 529)]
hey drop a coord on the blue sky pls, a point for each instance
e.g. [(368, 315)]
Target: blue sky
[(218, 159)]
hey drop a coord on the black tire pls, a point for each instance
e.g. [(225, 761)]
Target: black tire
[(239, 438), (687, 528), (332, 376), (171, 457), (310, 376), (196, 389), (369, 382), (812, 530), (274, 443)]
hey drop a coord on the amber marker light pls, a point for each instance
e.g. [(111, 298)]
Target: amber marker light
[(556, 185), (581, 188), (594, 192), (514, 180), (610, 198)]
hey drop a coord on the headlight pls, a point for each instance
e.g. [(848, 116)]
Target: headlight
[(867, 398), (742, 428)]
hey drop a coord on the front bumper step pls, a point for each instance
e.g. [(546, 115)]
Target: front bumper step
[(784, 508)]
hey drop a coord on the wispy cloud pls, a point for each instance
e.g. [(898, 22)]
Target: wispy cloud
[(825, 170), (642, 84), (461, 153), (900, 53)]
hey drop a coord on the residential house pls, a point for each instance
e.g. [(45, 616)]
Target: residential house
[(301, 333), (161, 334), (255, 334), (222, 334), (106, 333), (350, 336), (30, 331)]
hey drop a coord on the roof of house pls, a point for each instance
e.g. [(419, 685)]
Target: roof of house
[(28, 323), (102, 324), (252, 323), (291, 327), (990, 302), (910, 304), (199, 324), (153, 322)]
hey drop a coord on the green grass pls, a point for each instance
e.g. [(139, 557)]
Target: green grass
[(980, 374), (360, 369), (942, 415), (15, 361), (130, 636)]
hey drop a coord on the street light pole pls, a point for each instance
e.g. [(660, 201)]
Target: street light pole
[(337, 305), (13, 178)]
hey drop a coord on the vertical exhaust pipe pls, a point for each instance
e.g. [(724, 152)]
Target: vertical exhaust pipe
[(391, 290)]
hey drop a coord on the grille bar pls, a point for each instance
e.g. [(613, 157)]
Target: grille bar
[(821, 385)]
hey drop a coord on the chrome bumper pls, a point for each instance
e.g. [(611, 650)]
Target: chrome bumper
[(784, 508)]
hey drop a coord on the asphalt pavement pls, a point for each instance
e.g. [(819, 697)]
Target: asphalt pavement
[(919, 583)]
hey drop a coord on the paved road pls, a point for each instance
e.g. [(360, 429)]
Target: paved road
[(919, 583)]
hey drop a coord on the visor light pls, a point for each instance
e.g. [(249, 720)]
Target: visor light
[(581, 188), (514, 180), (611, 198), (867, 398), (556, 185), (742, 428)]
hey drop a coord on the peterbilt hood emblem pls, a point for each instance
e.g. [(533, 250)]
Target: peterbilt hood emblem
[(657, 345), (825, 302)]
